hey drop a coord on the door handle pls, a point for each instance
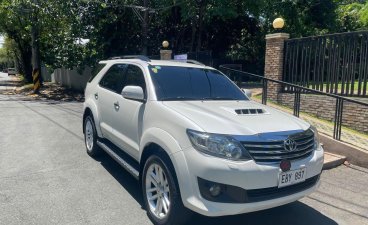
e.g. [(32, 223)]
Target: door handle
[(116, 105), (96, 96)]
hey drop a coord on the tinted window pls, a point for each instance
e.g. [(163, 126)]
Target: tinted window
[(95, 70), (113, 78), (184, 83), (134, 76)]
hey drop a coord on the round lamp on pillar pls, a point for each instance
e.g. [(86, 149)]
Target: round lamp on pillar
[(165, 53), (165, 44), (278, 23)]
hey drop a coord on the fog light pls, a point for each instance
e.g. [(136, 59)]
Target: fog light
[(215, 190)]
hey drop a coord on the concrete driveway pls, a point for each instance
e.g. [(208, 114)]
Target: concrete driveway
[(47, 178)]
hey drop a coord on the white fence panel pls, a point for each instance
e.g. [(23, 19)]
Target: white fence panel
[(71, 78)]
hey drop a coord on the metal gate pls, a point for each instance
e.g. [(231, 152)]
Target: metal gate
[(335, 63)]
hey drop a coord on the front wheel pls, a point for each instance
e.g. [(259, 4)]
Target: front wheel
[(161, 193), (90, 137)]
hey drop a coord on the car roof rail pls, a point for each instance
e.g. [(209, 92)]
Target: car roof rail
[(141, 57), (194, 62), (188, 61)]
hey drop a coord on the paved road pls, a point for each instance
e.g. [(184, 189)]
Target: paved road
[(6, 82), (47, 178)]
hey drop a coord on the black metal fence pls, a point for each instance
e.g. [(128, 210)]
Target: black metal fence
[(204, 57), (335, 63), (297, 90)]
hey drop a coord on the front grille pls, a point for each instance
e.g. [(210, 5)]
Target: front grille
[(274, 151)]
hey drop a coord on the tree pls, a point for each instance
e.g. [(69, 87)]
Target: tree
[(349, 17), (233, 29), (16, 27), (363, 15), (4, 60), (55, 23), (302, 17), (9, 54)]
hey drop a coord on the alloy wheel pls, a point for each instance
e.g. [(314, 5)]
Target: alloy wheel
[(89, 135), (157, 191)]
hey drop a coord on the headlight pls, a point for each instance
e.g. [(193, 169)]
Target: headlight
[(316, 138), (218, 145)]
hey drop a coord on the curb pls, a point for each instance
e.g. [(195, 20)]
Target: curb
[(354, 155), (332, 160)]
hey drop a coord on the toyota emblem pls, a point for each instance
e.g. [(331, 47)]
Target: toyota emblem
[(289, 145)]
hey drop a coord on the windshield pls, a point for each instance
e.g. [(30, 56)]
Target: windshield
[(185, 83)]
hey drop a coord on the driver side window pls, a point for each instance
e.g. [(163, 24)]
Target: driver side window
[(134, 76)]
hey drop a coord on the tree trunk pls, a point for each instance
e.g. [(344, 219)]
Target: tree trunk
[(145, 29), (28, 66), (194, 31), (35, 48), (200, 27), (25, 66), (36, 62)]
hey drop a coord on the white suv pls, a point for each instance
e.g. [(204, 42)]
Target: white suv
[(195, 141)]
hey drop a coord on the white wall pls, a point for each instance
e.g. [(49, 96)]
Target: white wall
[(71, 78), (46, 76)]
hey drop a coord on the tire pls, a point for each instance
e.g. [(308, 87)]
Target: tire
[(172, 210), (90, 137)]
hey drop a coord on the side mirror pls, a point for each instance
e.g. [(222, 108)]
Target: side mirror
[(248, 93), (133, 93)]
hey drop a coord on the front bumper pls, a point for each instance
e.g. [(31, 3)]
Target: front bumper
[(249, 176)]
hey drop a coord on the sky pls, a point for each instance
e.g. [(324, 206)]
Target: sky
[(1, 41)]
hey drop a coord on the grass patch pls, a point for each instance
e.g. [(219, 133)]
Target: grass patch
[(339, 86)]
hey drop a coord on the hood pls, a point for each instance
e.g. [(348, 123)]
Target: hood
[(236, 117)]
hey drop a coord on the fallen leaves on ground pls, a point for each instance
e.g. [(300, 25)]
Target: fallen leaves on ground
[(49, 91)]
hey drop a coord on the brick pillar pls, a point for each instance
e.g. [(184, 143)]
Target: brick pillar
[(165, 54), (274, 62)]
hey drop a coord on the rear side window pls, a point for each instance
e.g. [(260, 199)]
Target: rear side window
[(95, 70), (113, 78)]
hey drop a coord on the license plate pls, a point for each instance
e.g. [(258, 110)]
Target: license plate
[(292, 177)]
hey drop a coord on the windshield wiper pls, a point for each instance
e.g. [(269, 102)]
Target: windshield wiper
[(183, 98), (219, 98), (177, 98)]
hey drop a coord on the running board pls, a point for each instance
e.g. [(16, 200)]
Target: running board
[(120, 158)]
